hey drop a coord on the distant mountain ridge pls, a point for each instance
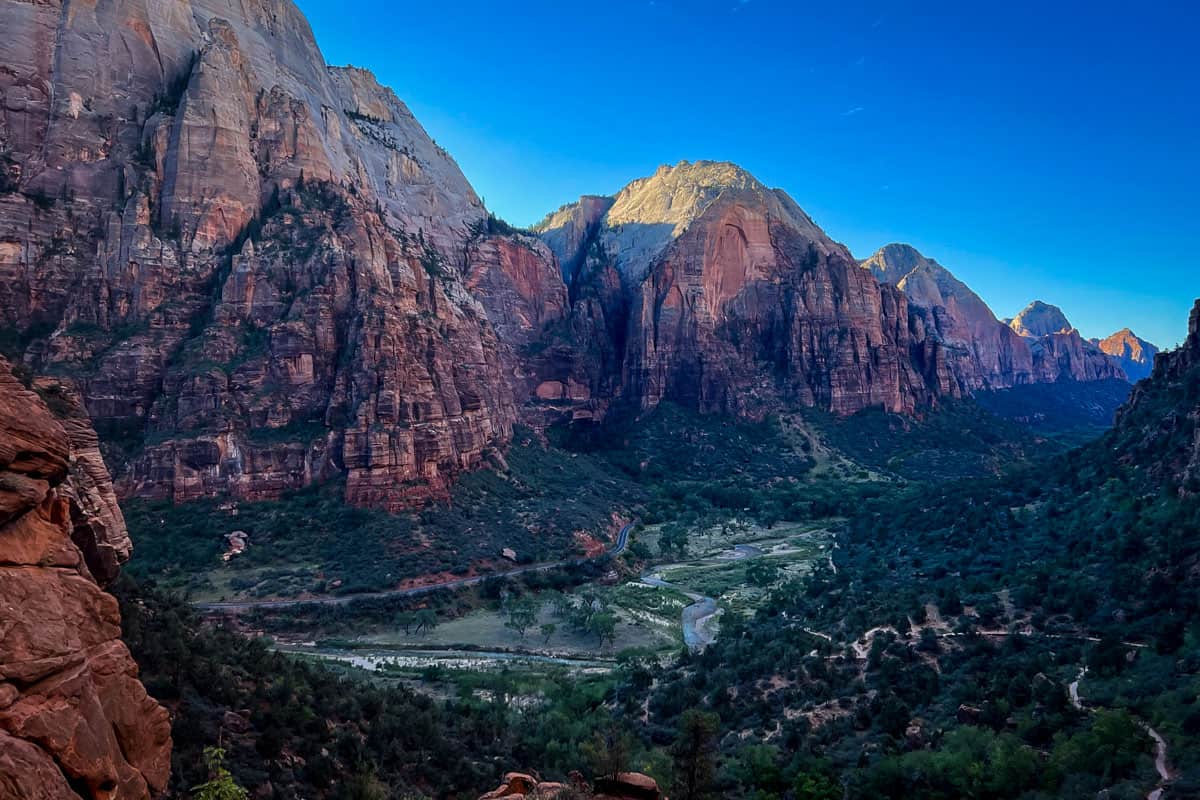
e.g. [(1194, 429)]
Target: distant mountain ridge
[(711, 283), (1133, 353), (260, 273)]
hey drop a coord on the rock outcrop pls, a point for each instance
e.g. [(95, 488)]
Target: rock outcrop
[(1059, 351), (622, 786), (250, 263), (748, 305), (722, 295), (75, 722), (1133, 353), (963, 347), (1160, 424)]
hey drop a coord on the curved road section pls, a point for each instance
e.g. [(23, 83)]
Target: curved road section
[(457, 583)]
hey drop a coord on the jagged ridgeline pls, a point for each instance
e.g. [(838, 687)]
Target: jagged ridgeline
[(261, 273)]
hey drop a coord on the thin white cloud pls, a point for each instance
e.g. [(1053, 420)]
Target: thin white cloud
[(852, 111)]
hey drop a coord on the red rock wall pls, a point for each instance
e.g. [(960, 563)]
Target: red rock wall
[(74, 719), (339, 341), (745, 312)]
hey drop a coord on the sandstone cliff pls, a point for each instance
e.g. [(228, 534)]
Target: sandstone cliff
[(1040, 319), (958, 339), (1059, 351), (711, 290), (1133, 353), (260, 272), (75, 722), (250, 263), (964, 348), (722, 295)]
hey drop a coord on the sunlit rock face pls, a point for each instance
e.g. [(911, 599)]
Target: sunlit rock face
[(1059, 351), (721, 294), (74, 719), (1040, 319), (1133, 353), (251, 264)]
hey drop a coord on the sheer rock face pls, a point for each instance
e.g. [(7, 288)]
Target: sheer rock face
[(74, 719), (556, 355), (752, 307), (958, 336), (1133, 353), (966, 348), (340, 331), (722, 295), (569, 231), (518, 282)]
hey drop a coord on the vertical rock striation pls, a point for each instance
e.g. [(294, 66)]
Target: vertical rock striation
[(250, 263), (958, 342)]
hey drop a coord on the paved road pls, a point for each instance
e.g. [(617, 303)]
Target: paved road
[(457, 583)]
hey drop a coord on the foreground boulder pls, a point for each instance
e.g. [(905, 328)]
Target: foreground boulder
[(75, 721), (627, 786), (622, 786)]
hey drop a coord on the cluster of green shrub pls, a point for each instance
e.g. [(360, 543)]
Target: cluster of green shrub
[(311, 541), (995, 587), (1087, 559)]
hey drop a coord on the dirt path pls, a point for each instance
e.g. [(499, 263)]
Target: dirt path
[(1162, 764)]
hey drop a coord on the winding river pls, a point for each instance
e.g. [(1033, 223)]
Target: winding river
[(700, 618)]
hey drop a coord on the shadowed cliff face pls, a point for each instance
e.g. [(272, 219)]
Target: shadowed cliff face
[(965, 348), (74, 719), (1160, 425), (251, 264)]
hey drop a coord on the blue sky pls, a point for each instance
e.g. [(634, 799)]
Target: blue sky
[(1039, 150)]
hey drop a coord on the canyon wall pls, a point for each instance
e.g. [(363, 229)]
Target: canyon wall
[(75, 722), (249, 263)]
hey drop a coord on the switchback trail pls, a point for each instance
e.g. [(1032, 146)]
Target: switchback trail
[(1161, 764), (413, 591)]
